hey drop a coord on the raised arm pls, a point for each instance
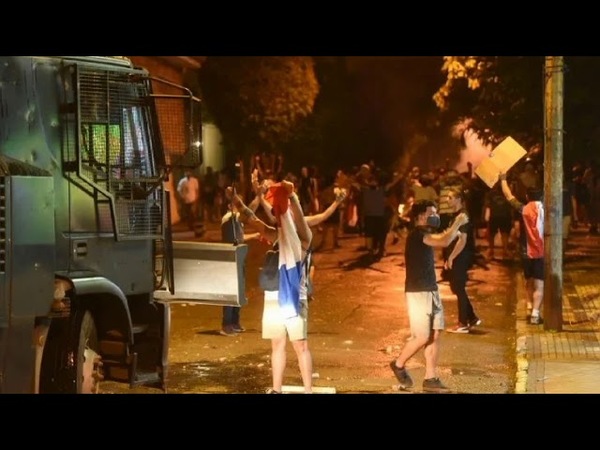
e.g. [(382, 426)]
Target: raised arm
[(302, 228), (255, 203), (267, 208), (316, 219), (505, 188), (446, 237), (399, 177), (247, 216), (260, 189)]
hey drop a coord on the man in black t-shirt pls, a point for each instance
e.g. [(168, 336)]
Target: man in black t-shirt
[(425, 308), (499, 217), (458, 257)]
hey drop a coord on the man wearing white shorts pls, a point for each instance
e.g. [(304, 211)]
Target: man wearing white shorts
[(425, 312), (425, 309), (275, 326), (295, 240)]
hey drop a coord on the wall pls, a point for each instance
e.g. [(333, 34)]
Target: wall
[(213, 154), (160, 68)]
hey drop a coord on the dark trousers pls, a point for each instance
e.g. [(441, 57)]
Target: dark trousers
[(191, 214), (231, 315), (458, 276), (376, 229)]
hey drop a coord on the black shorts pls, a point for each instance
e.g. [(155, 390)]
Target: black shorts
[(502, 224), (375, 226), (533, 268)]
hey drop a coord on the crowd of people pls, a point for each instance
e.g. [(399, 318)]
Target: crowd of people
[(421, 210)]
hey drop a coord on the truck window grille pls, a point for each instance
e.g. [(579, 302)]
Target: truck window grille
[(114, 114), (116, 151), (172, 122)]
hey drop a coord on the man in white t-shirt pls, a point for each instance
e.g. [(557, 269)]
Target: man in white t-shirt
[(189, 193)]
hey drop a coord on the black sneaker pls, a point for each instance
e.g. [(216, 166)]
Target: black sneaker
[(475, 322), (404, 379), (434, 385)]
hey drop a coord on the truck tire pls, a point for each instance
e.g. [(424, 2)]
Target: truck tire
[(89, 361)]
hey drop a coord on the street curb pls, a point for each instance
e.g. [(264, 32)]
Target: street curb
[(522, 366), (522, 375), (547, 357)]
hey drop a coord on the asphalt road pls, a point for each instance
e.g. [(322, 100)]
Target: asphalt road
[(357, 325)]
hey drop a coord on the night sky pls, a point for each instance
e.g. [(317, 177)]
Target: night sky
[(394, 94)]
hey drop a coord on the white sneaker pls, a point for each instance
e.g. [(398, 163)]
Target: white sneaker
[(271, 391), (536, 320), (460, 329), (475, 323)]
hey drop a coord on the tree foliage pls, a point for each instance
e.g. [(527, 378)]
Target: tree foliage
[(258, 101), (505, 96), (326, 137), (499, 95)]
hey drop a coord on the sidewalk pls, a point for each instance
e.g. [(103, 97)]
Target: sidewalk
[(566, 362)]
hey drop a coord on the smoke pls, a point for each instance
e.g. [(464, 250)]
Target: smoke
[(474, 150)]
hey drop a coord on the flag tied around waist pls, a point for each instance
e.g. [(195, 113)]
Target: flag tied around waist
[(290, 266), (290, 252)]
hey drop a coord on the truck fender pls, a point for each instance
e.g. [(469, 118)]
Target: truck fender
[(100, 286)]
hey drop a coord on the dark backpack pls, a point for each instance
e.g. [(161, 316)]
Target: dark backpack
[(268, 276), (307, 264)]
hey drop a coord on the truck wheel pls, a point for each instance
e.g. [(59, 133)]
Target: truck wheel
[(89, 361)]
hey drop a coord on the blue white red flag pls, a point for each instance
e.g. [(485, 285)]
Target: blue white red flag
[(290, 266)]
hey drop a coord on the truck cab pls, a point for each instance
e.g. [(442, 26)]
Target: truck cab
[(87, 266)]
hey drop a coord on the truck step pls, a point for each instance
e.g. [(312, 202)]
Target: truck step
[(114, 348), (136, 328), (151, 379), (116, 371), (120, 371)]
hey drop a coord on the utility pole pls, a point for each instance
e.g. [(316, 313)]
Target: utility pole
[(553, 183)]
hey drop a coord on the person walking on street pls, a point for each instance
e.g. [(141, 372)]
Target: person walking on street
[(189, 192), (458, 260), (531, 217), (425, 308)]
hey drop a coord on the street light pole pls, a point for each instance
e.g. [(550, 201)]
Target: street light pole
[(553, 183)]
